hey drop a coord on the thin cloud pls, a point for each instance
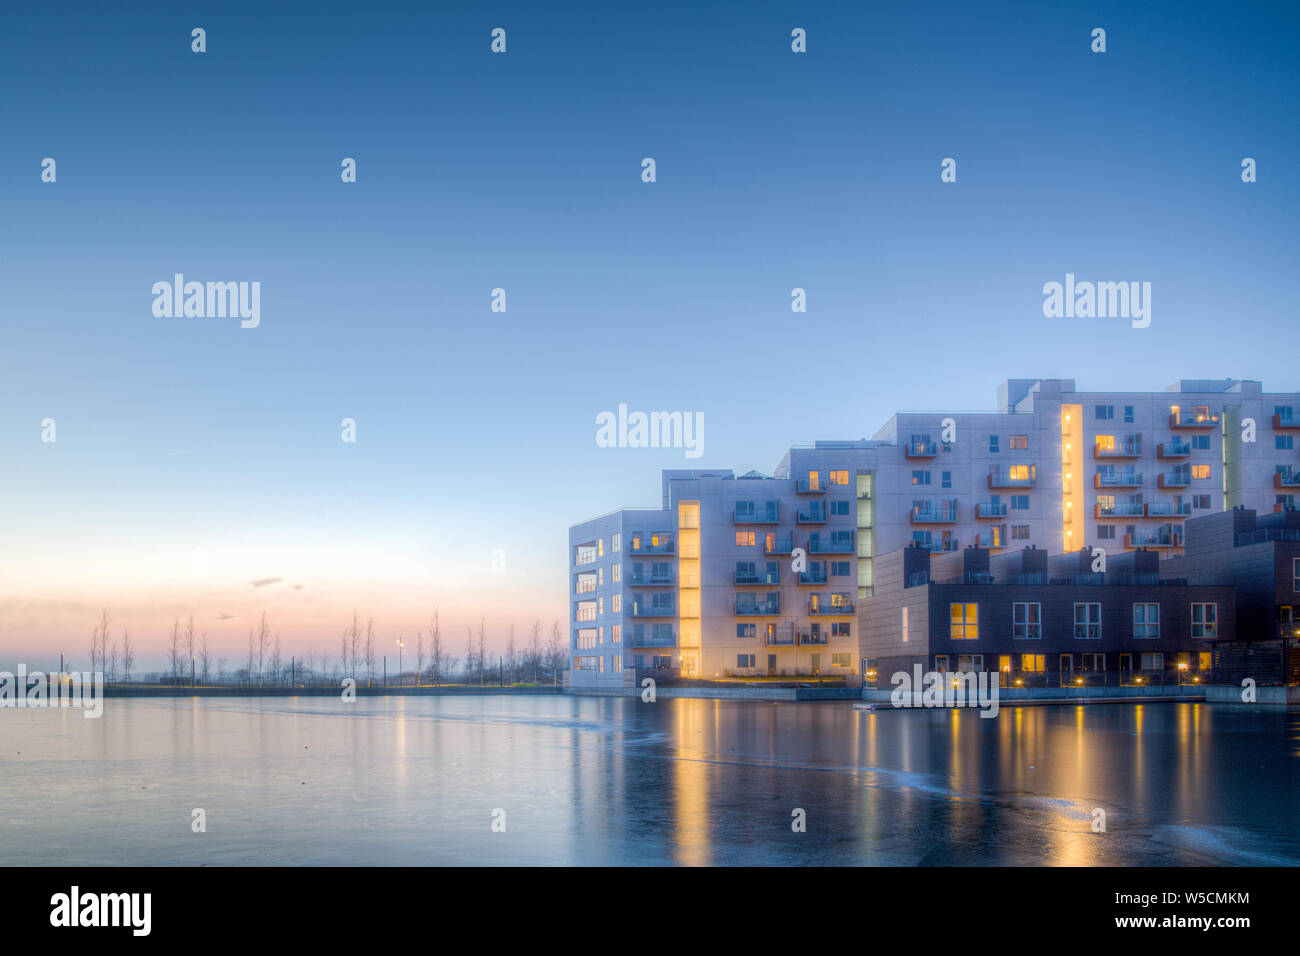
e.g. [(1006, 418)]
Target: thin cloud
[(263, 582)]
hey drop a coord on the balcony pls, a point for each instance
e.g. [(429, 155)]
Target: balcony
[(815, 576), (651, 579), (812, 640), (1174, 479), (1026, 477), (1129, 448), (1286, 480), (751, 608), (778, 544), (1173, 449), (1123, 509), (759, 578), (990, 541), (810, 486), (651, 640), (816, 514), (1164, 538), (931, 512), (779, 638), (1192, 420), (1122, 479), (818, 607), (769, 514), (921, 449), (987, 509), (842, 545), (652, 610), (1285, 424), (645, 546), (1168, 509), (945, 544)]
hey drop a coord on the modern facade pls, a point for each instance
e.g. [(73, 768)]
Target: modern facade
[(1050, 468), (1041, 621)]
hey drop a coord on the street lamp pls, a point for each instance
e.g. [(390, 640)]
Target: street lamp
[(401, 646)]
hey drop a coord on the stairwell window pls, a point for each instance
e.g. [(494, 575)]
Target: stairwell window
[(1205, 620)]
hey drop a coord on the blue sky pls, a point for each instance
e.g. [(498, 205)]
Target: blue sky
[(195, 457)]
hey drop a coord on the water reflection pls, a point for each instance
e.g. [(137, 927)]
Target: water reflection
[(618, 781)]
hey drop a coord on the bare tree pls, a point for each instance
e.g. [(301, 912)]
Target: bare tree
[(512, 661), (435, 647), (191, 640), (252, 655), (535, 647), (176, 648), (103, 637), (128, 655), (263, 646), (276, 660), (419, 656), (354, 641), (370, 650), (482, 649), (205, 658), (469, 654), (343, 651), (555, 653), (112, 662)]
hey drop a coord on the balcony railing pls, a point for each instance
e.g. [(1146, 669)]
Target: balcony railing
[(1287, 480), (989, 541), (779, 638), (1168, 509), (1124, 479), (812, 640), (750, 608), (1174, 479), (833, 546), (644, 546), (943, 544), (749, 579), (817, 576), (1173, 449), (771, 514), (813, 515), (1006, 479), (651, 640), (1122, 509), (824, 608), (806, 486), (1154, 539), (1129, 448), (651, 579), (652, 610), (779, 544), (921, 449), (935, 513), (1282, 423), (988, 509), (1192, 420)]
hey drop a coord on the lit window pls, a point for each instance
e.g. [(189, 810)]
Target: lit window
[(839, 477), (600, 547), (1018, 442), (1200, 471), (1033, 663), (744, 539), (964, 622), (1297, 570)]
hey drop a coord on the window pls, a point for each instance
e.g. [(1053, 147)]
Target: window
[(840, 507), (1284, 442), (1105, 413), (1200, 502), (1020, 502), (1018, 442), (1105, 532), (1297, 570), (1201, 442), (1020, 472), (841, 629), (1020, 532), (616, 604), (744, 539), (616, 542), (744, 660), (1128, 414), (841, 660), (840, 569), (1205, 620), (1153, 662), (1087, 621), (600, 605), (616, 573), (947, 479), (1033, 663), (1200, 471), (1146, 620), (586, 639), (600, 577), (839, 477), (616, 633), (746, 630), (963, 622), (600, 547), (586, 555), (1295, 574), (1026, 621), (586, 611), (993, 444), (920, 477)]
